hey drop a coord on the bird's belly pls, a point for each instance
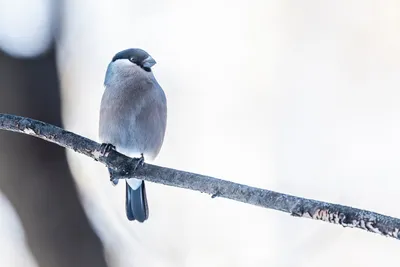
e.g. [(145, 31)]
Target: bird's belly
[(132, 138)]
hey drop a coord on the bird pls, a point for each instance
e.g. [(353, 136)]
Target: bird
[(133, 118)]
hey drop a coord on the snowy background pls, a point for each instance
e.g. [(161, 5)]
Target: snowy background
[(300, 97)]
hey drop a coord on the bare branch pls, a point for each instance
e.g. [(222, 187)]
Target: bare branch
[(296, 206)]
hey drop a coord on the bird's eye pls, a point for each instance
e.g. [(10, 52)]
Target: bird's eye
[(132, 59)]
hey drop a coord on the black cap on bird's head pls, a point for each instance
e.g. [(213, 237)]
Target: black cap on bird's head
[(136, 56)]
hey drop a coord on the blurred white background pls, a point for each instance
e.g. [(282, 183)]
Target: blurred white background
[(299, 97)]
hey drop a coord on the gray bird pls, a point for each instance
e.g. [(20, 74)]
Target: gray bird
[(133, 116)]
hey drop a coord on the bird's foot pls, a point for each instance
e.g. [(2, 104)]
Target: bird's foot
[(140, 162), (106, 148), (113, 176), (114, 181)]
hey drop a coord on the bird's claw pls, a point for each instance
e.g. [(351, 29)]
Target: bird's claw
[(113, 178), (140, 162), (106, 148), (114, 181)]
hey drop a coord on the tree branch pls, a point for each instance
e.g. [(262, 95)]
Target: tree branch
[(296, 206)]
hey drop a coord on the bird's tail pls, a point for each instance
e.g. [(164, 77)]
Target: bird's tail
[(136, 203)]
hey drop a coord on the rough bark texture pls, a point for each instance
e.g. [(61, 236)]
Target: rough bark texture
[(296, 206), (35, 176)]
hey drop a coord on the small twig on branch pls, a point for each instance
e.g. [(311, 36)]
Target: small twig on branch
[(296, 206)]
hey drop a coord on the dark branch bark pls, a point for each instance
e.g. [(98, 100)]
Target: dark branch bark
[(296, 206)]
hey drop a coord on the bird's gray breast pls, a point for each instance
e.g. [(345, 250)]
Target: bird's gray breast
[(133, 117)]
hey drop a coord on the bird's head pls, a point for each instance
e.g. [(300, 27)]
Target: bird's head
[(135, 56), (129, 63)]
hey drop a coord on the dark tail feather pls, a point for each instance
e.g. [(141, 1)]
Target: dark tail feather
[(136, 203)]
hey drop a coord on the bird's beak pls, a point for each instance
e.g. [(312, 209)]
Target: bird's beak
[(148, 62)]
